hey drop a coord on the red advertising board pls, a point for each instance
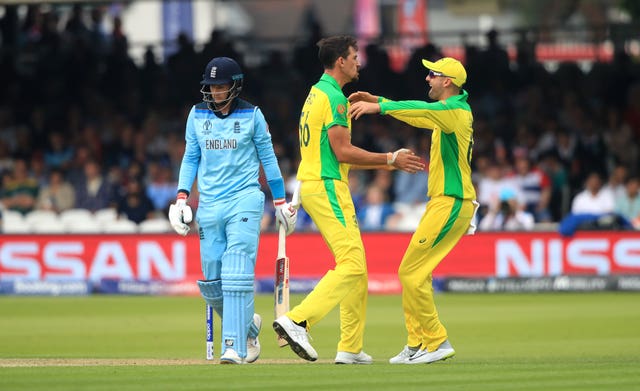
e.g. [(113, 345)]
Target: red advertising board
[(173, 258)]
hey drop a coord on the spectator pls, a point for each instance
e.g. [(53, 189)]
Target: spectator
[(161, 189), (593, 199), (593, 209), (411, 189), (20, 191), (135, 204), (617, 181), (6, 161), (376, 212), (57, 195), (535, 186), (491, 185), (507, 216), (357, 187), (560, 200), (75, 174), (628, 203), (93, 192)]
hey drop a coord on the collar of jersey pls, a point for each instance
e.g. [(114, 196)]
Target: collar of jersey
[(234, 106), (329, 79), (461, 97)]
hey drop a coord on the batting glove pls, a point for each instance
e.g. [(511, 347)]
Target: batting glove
[(286, 215), (180, 215)]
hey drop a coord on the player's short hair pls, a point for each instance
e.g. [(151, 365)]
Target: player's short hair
[(332, 48)]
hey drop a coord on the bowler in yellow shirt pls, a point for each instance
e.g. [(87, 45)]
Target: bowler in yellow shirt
[(327, 155)]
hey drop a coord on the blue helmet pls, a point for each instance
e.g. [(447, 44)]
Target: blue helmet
[(221, 70)]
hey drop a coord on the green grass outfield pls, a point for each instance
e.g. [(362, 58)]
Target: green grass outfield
[(503, 342)]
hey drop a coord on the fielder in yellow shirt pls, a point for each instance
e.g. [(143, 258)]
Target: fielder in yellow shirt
[(451, 206), (327, 155)]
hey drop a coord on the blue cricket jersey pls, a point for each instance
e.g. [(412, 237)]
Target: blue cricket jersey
[(226, 153)]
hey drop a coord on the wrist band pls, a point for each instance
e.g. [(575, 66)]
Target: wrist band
[(390, 158), (181, 196)]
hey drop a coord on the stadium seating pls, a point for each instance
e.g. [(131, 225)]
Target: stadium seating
[(78, 221), (120, 226), (14, 223), (73, 216), (105, 215), (43, 221), (411, 215), (85, 226), (156, 225), (48, 226)]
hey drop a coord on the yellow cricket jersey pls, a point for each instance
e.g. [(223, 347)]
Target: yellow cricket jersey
[(451, 141), (325, 107)]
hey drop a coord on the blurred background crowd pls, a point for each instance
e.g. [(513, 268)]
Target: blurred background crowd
[(84, 126)]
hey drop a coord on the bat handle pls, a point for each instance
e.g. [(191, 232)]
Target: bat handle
[(282, 235)]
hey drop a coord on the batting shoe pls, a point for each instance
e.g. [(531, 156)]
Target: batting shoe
[(422, 356), (404, 356), (296, 336), (253, 345), (353, 358), (231, 357)]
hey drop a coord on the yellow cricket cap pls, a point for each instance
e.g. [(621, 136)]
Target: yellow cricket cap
[(449, 67)]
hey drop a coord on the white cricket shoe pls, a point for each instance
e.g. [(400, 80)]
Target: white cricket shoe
[(422, 356), (230, 356), (404, 356), (353, 358), (296, 336), (253, 345)]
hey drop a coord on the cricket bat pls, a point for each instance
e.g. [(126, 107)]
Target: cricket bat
[(281, 287), (209, 317)]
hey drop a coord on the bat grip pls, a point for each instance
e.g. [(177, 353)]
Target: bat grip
[(282, 235)]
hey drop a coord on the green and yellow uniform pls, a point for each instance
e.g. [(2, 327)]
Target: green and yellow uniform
[(325, 196), (448, 213)]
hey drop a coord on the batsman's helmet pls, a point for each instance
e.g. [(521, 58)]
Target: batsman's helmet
[(221, 70)]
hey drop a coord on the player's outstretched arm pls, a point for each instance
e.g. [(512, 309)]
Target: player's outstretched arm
[(363, 96), (405, 160), (340, 140), (358, 109)]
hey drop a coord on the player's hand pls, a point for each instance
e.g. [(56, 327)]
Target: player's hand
[(405, 160), (286, 215), (358, 109), (180, 215), (362, 96)]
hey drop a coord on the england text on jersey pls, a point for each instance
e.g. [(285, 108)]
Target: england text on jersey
[(221, 144)]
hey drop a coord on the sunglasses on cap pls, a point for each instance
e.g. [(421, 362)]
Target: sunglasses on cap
[(434, 74)]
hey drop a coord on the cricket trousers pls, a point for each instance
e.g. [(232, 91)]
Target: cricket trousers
[(329, 203), (229, 233), (444, 222)]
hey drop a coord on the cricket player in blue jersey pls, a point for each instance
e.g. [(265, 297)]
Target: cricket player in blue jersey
[(227, 139)]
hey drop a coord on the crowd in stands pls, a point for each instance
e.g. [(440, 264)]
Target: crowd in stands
[(82, 126)]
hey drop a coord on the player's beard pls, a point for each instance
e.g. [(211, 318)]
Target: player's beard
[(433, 94)]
